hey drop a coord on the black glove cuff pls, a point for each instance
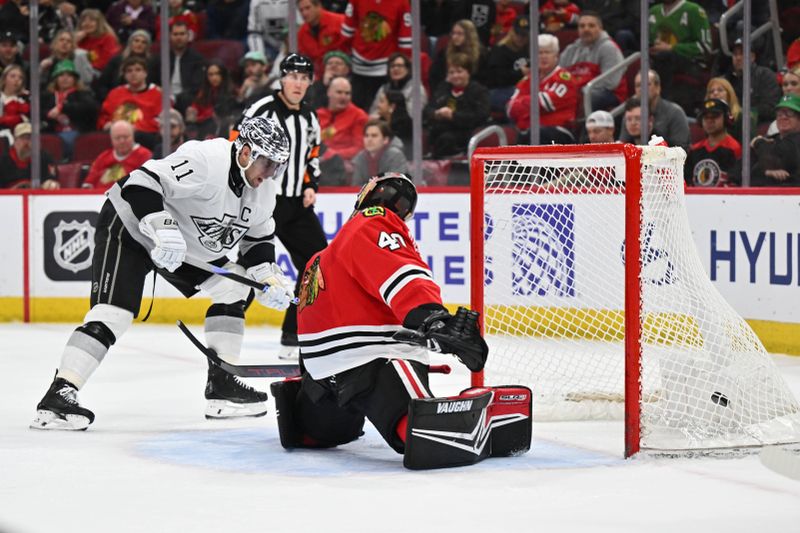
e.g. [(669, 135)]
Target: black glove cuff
[(423, 314)]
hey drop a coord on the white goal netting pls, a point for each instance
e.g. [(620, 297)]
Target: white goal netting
[(554, 291)]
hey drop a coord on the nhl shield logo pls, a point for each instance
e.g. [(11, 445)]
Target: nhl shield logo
[(74, 245)]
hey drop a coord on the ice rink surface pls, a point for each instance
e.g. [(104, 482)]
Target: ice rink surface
[(152, 463)]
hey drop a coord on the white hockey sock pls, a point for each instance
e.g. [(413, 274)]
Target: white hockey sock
[(224, 335), (81, 356)]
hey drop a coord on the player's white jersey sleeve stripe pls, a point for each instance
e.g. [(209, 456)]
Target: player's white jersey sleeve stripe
[(400, 278), (414, 385), (347, 31)]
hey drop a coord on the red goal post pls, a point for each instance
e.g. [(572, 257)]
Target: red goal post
[(591, 292)]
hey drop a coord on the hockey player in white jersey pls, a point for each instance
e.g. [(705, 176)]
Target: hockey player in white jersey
[(199, 202)]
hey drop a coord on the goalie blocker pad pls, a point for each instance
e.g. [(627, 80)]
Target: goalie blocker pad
[(459, 431)]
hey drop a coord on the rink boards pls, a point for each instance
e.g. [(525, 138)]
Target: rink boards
[(749, 243)]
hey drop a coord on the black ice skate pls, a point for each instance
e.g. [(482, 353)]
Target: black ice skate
[(290, 347), (59, 409), (230, 398)]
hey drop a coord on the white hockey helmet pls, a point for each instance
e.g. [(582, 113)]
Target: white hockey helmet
[(268, 143)]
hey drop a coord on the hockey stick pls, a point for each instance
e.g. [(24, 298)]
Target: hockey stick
[(263, 371), (225, 273), (242, 371), (783, 460)]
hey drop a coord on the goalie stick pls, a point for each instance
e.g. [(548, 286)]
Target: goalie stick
[(783, 460), (225, 273), (262, 371)]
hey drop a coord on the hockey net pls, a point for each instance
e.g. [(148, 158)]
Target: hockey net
[(592, 293)]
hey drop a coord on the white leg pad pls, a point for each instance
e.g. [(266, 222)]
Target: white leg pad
[(116, 318)]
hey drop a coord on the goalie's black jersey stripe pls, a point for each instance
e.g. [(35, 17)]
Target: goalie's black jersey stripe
[(346, 347), (345, 335), (401, 277)]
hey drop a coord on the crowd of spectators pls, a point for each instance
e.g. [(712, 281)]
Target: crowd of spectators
[(100, 70)]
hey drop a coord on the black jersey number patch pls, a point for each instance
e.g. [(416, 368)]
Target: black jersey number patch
[(181, 170), (392, 241)]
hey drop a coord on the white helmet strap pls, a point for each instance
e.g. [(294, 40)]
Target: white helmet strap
[(243, 168)]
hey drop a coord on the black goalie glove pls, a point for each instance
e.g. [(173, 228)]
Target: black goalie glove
[(445, 333)]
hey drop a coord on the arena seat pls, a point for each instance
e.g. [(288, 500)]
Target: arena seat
[(71, 175), (53, 145), (227, 51), (89, 145)]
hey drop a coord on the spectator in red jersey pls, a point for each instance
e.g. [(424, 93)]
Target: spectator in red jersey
[(138, 45), (214, 105), (457, 107), (503, 69), (15, 104), (379, 155), (320, 33), (710, 161), (558, 98), (137, 102), (591, 55), (373, 29), (776, 160), (793, 54), (97, 38), (503, 21), (341, 123), (15, 164), (600, 127), (118, 161), (557, 14), (127, 16), (463, 39), (67, 106), (178, 12), (255, 75)]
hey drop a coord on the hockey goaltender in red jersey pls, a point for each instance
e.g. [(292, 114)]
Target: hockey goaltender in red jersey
[(369, 311)]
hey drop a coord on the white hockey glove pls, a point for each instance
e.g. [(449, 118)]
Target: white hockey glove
[(169, 250), (281, 289)]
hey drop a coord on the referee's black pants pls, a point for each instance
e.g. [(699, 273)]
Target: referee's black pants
[(300, 232)]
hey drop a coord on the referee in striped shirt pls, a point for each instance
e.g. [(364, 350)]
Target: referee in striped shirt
[(296, 224)]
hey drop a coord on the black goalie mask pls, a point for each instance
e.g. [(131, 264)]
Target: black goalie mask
[(393, 190)]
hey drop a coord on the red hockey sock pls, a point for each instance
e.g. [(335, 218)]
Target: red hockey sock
[(401, 428)]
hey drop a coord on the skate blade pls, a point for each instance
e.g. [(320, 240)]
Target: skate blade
[(224, 409), (289, 353), (50, 420)]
